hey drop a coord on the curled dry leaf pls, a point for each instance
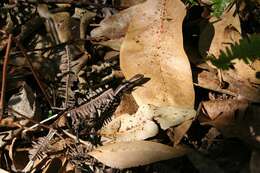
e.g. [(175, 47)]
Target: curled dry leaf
[(143, 124), (215, 108), (224, 30), (130, 128), (62, 25), (237, 86), (61, 22), (177, 133), (24, 102), (116, 25), (153, 47), (114, 28), (234, 118), (132, 154), (171, 116), (127, 105)]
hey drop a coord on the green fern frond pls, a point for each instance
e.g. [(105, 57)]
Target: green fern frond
[(191, 2), (219, 6), (247, 49)]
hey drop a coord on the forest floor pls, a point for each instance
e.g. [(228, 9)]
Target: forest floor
[(148, 86)]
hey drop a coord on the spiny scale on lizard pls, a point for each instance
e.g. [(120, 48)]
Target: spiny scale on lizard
[(93, 114)]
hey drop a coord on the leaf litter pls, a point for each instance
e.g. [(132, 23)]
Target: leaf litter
[(127, 86)]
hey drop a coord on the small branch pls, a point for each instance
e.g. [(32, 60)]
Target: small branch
[(29, 119), (87, 143), (7, 52), (56, 46), (68, 77), (34, 73), (43, 121)]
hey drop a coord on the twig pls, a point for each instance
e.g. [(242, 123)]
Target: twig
[(34, 73), (43, 121), (87, 143), (223, 91), (68, 76), (31, 120), (57, 46), (7, 52)]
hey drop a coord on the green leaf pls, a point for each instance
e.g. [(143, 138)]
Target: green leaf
[(247, 49), (191, 2), (219, 6)]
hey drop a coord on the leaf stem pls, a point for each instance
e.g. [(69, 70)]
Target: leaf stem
[(6, 57)]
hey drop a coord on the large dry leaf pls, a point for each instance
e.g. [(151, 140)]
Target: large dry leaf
[(132, 154), (154, 47), (143, 124)]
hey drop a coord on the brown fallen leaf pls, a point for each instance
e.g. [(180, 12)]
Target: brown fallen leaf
[(236, 85), (61, 22), (116, 25), (153, 47), (62, 25), (127, 105), (114, 28), (248, 72), (132, 154), (216, 108), (145, 123), (24, 102), (242, 86), (226, 30), (233, 118), (133, 132), (177, 133)]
